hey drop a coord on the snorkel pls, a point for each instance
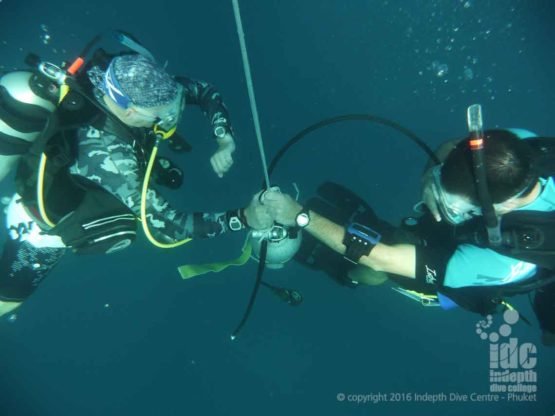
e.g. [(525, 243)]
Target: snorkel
[(476, 145)]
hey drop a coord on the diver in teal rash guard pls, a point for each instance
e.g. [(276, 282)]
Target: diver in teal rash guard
[(452, 259)]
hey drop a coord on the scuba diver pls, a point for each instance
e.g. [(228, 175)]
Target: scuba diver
[(488, 232), (85, 141)]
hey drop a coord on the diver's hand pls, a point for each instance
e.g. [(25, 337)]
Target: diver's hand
[(257, 215), (222, 160), (281, 207), (428, 194)]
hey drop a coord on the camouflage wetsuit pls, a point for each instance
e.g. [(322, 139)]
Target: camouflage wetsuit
[(111, 162)]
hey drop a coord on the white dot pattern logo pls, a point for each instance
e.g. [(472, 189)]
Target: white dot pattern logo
[(510, 317)]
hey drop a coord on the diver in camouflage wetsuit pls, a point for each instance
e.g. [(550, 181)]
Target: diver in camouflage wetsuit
[(139, 93)]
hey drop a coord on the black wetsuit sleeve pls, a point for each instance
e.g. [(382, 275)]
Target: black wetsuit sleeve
[(431, 264), (210, 101)]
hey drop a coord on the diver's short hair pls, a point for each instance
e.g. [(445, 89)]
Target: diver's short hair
[(509, 167)]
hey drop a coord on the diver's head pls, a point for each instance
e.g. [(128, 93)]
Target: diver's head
[(141, 93), (510, 175)]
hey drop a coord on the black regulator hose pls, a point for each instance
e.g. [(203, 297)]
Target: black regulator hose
[(294, 296), (351, 117), (259, 273)]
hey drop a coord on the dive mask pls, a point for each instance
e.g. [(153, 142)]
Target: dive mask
[(167, 117), (455, 209)]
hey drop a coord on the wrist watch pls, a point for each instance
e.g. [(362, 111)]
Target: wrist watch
[(303, 218), (220, 132), (236, 220)]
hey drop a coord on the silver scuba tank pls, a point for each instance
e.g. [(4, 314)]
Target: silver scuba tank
[(282, 245), (26, 102)]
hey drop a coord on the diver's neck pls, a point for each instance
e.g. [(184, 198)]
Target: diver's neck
[(532, 196)]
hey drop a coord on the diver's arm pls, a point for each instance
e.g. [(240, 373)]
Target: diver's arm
[(117, 171), (442, 152), (425, 264), (398, 259), (210, 101)]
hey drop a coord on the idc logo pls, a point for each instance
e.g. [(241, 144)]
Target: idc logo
[(511, 363)]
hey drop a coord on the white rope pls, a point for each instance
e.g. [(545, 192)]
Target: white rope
[(250, 89)]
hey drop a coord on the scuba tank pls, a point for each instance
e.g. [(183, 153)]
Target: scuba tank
[(27, 99), (283, 244)]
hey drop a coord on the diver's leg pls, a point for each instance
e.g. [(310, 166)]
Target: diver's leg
[(22, 268), (27, 258)]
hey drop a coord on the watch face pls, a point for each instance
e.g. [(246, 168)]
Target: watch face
[(302, 219), (220, 132)]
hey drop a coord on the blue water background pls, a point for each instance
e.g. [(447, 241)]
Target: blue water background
[(123, 334)]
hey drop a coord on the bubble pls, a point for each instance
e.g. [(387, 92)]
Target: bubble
[(510, 316), (494, 337), (467, 5), (479, 331), (484, 336), (45, 37), (12, 318), (468, 74), (440, 69), (505, 330)]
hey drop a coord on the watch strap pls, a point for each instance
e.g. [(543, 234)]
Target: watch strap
[(359, 243), (236, 220)]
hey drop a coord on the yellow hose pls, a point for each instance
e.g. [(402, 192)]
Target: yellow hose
[(40, 191), (144, 220)]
